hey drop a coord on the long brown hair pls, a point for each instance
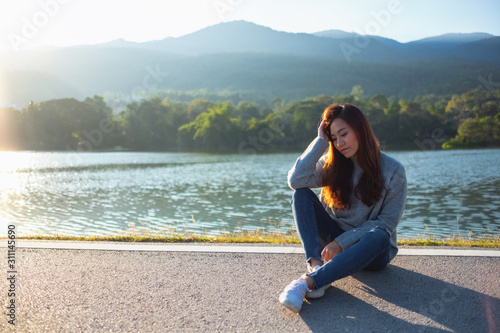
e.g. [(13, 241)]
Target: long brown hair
[(338, 170)]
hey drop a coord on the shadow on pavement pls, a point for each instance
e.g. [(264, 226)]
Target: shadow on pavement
[(397, 299)]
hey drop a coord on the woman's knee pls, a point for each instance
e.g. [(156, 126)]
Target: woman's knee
[(380, 241), (303, 193), (379, 238), (381, 233)]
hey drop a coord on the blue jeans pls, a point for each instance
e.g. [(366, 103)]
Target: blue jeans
[(316, 229)]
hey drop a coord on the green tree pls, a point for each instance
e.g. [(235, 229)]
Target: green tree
[(247, 111), (323, 100), (484, 131), (152, 124), (196, 107), (264, 134), (375, 110), (358, 93), (393, 109), (60, 125), (306, 119), (213, 130), (379, 102), (277, 105)]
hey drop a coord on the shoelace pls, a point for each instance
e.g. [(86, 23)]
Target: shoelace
[(296, 286)]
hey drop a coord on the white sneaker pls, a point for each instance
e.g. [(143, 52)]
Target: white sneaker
[(293, 295), (316, 293)]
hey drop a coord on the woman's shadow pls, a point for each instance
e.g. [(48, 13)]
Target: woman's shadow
[(399, 300)]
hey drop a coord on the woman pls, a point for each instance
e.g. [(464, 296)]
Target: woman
[(363, 193)]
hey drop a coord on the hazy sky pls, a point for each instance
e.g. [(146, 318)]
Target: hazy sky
[(26, 24)]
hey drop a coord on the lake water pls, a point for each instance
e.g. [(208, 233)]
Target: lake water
[(107, 193)]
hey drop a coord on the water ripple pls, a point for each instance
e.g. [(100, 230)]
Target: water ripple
[(108, 193)]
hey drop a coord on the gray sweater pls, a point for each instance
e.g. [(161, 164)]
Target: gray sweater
[(359, 219)]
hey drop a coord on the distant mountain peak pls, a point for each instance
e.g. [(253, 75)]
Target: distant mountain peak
[(232, 26), (336, 34), (453, 39), (244, 56)]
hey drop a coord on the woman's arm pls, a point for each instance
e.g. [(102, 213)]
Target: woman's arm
[(307, 170)]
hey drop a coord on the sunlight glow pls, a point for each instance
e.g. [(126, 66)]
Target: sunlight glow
[(12, 162)]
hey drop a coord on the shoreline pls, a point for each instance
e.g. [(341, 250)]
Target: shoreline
[(385, 148)]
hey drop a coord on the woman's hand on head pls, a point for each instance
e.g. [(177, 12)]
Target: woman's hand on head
[(330, 251), (322, 131)]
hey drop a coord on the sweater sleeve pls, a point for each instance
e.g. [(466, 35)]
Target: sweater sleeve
[(307, 170), (390, 213)]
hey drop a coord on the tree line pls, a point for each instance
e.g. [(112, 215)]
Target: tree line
[(471, 119)]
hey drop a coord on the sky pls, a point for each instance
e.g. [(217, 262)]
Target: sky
[(27, 24)]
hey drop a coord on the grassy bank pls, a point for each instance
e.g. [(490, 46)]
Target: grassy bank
[(485, 240)]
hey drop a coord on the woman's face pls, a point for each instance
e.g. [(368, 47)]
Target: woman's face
[(344, 138)]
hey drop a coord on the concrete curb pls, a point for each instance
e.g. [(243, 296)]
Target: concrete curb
[(209, 248)]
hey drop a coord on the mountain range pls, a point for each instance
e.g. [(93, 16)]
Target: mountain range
[(240, 56)]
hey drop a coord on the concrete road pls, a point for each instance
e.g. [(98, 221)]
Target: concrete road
[(146, 291)]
